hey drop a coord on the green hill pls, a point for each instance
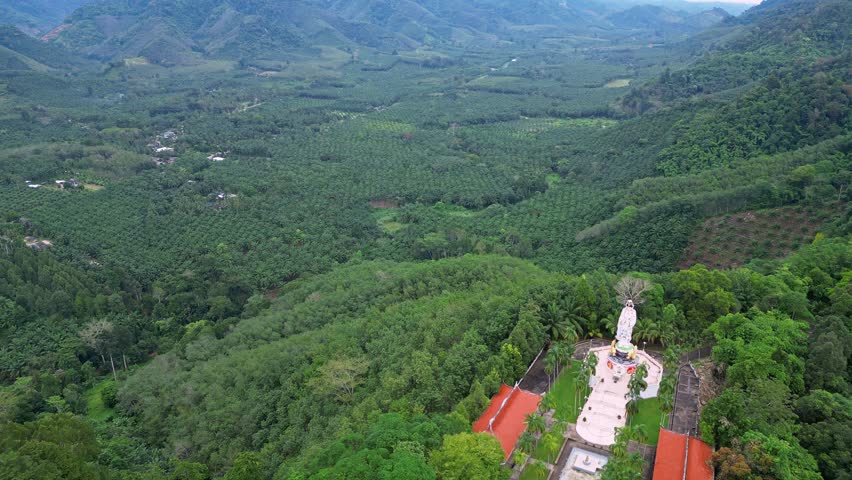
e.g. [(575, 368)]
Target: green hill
[(269, 29), (37, 16)]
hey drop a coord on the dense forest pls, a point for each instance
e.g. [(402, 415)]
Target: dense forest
[(248, 240)]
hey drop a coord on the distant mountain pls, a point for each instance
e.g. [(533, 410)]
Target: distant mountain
[(175, 31), (37, 16), (688, 6), (19, 51), (662, 18)]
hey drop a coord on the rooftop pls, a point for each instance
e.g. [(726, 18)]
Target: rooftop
[(680, 457), (505, 415)]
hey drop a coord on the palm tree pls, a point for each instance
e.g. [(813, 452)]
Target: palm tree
[(563, 352), (527, 442), (548, 403), (551, 443), (575, 321), (592, 362), (555, 322), (559, 427), (582, 385), (667, 386), (520, 458), (610, 323), (538, 469), (648, 331), (535, 423), (666, 406), (549, 366)]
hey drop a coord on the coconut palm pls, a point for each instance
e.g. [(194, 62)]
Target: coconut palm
[(555, 322), (520, 457), (551, 443), (535, 423), (610, 323), (527, 442), (667, 386), (563, 352), (576, 322), (648, 331), (582, 385), (549, 367), (666, 406), (559, 427), (538, 469), (548, 403)]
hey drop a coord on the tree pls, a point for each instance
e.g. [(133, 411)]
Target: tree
[(467, 456), (340, 377), (551, 442), (404, 465), (538, 469), (731, 465), (637, 383), (666, 406), (247, 466), (555, 321), (535, 423), (550, 363), (526, 442), (632, 288), (55, 447), (98, 336), (548, 403), (624, 467)]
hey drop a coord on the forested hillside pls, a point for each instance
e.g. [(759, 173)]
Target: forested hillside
[(309, 239)]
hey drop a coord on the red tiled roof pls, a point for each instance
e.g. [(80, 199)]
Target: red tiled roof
[(506, 414), (697, 467), (673, 454)]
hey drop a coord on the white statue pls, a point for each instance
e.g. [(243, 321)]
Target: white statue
[(626, 322)]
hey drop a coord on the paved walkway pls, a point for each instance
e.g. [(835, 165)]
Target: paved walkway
[(684, 416), (536, 380)]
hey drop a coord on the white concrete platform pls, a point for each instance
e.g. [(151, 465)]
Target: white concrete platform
[(607, 402), (583, 465)]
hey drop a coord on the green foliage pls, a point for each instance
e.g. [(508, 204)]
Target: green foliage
[(54, 447), (468, 456)]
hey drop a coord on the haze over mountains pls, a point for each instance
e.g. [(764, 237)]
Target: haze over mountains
[(175, 32)]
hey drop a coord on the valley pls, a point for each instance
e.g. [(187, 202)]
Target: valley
[(252, 239)]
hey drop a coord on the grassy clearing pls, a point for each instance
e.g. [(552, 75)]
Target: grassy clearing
[(552, 179), (649, 415), (97, 411), (565, 391), (618, 83)]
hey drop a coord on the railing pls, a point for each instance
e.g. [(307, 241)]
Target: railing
[(702, 352)]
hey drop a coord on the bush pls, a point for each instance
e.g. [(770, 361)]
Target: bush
[(108, 395)]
